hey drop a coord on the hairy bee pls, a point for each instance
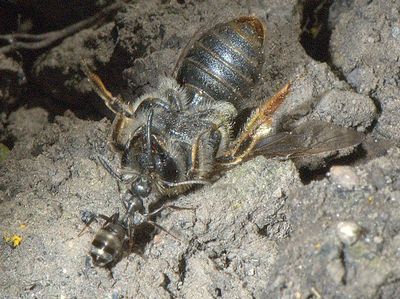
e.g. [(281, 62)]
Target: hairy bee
[(180, 135)]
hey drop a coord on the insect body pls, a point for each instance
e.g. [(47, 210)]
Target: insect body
[(169, 139), (180, 135), (116, 236), (109, 242), (224, 63)]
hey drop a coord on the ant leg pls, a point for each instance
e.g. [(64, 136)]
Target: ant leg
[(164, 230), (109, 219), (126, 176), (153, 102), (130, 236), (167, 206), (107, 166), (125, 199), (94, 218), (110, 273)]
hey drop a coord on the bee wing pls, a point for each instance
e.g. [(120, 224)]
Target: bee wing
[(310, 138)]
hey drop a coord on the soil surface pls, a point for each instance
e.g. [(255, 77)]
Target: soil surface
[(326, 226)]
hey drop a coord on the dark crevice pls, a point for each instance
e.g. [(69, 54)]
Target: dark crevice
[(316, 33), (389, 288), (33, 96), (276, 229), (218, 292), (342, 257), (142, 237), (221, 260), (28, 18), (315, 38), (308, 175), (8, 141), (182, 265), (376, 102), (165, 285)]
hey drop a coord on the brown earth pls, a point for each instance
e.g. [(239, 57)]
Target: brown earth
[(267, 228)]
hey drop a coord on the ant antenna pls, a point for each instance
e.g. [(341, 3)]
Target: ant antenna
[(149, 155), (126, 175), (148, 131)]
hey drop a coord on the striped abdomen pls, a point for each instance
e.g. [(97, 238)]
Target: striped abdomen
[(225, 62), (108, 244)]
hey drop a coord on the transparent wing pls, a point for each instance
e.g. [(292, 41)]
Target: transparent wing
[(310, 138)]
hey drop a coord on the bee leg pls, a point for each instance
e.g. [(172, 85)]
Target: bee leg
[(184, 183), (115, 104), (262, 116), (180, 187), (205, 148), (119, 137), (130, 236), (244, 154), (258, 125), (194, 155)]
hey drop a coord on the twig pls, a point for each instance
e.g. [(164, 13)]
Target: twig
[(18, 41)]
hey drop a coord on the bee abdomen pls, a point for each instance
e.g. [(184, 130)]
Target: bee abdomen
[(225, 63)]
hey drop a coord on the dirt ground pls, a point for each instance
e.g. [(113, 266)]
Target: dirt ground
[(321, 227)]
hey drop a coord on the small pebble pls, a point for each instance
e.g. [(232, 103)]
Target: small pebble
[(348, 232), (344, 176), (251, 272), (378, 240), (396, 32)]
